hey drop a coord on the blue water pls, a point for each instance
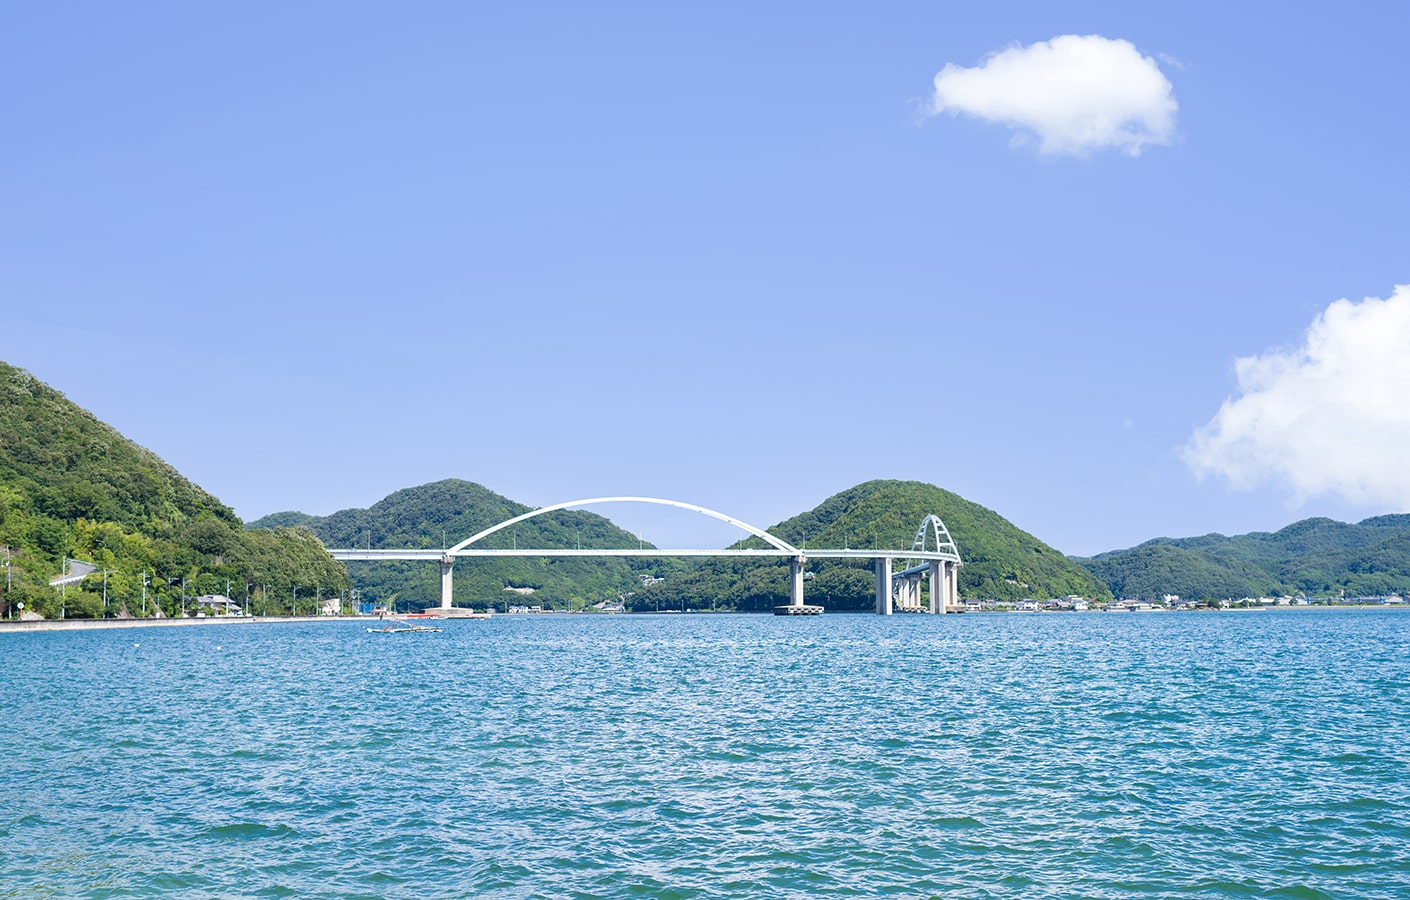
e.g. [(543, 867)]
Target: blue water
[(1257, 754)]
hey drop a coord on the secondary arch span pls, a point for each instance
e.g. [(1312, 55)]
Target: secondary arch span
[(944, 543), (774, 542)]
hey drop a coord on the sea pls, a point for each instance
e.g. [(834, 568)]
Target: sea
[(1210, 754)]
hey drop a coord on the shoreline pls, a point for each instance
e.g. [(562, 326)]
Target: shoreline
[(17, 626)]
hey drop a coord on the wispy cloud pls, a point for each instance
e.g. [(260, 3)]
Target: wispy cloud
[(1329, 417), (1074, 93)]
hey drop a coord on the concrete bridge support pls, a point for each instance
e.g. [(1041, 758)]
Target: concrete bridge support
[(795, 605), (447, 581), (883, 586), (908, 592), (944, 586)]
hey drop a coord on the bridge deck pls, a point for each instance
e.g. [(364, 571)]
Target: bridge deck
[(468, 552)]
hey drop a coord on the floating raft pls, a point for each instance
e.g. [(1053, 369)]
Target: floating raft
[(403, 629), (802, 610)]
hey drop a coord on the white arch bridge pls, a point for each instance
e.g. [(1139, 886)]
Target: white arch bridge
[(932, 555)]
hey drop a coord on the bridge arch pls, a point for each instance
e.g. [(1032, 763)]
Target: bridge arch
[(944, 543), (776, 543)]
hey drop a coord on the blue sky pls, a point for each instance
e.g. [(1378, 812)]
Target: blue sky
[(312, 253)]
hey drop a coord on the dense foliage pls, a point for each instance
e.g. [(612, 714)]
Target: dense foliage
[(1000, 561), (1315, 557), (446, 512), (72, 487)]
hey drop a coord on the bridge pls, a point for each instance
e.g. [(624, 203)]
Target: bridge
[(896, 590)]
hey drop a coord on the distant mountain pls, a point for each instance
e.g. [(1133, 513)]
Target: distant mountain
[(73, 487), (1315, 557), (445, 512), (1000, 560), (285, 520)]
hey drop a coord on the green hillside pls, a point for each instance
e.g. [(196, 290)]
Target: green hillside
[(445, 512), (1316, 557), (72, 487), (1001, 561)]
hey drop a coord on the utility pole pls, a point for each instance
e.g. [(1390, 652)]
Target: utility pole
[(105, 593), (144, 595)]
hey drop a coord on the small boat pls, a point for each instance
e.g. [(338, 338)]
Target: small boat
[(403, 629), (399, 625)]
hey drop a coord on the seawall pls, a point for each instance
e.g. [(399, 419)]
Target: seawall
[(33, 625)]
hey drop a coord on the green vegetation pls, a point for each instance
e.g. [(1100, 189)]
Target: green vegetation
[(1001, 562), (72, 487), (1315, 557), (445, 512)]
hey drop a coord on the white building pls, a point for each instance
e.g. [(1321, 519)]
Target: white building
[(216, 604)]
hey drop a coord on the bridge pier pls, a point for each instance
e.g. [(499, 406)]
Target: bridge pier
[(883, 585), (795, 605), (447, 581), (937, 587), (906, 592)]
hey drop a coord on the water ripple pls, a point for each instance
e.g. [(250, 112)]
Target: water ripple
[(1211, 755)]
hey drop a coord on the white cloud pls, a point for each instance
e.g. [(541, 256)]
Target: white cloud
[(1076, 93), (1329, 417)]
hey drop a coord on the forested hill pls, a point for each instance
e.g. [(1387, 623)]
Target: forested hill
[(1000, 560), (72, 486), (1315, 557), (446, 512)]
